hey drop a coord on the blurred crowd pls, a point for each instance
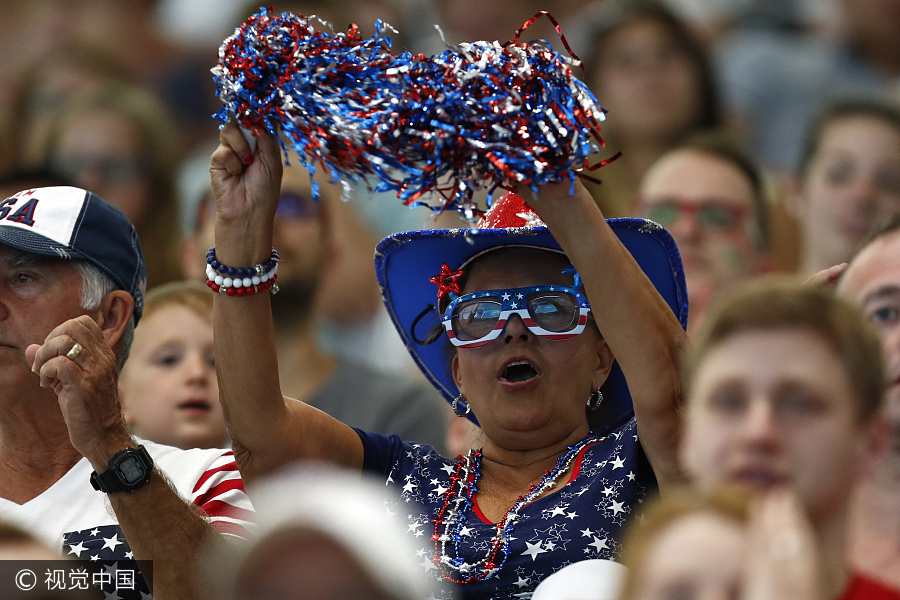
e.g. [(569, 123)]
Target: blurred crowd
[(764, 136), (117, 97)]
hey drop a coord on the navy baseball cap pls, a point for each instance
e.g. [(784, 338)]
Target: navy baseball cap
[(74, 224)]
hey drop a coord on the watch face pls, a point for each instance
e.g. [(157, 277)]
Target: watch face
[(131, 470)]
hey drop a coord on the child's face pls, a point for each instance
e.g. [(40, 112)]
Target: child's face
[(168, 387), (698, 556)]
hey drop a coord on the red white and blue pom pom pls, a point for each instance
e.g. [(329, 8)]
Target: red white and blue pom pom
[(477, 115)]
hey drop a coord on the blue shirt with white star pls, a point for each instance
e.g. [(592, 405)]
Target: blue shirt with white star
[(582, 520)]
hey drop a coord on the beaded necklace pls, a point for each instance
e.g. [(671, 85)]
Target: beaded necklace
[(459, 498)]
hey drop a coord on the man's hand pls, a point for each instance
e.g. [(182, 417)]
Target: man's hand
[(85, 383), (781, 561)]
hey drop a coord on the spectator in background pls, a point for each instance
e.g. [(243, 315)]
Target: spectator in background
[(316, 278), (775, 82), (18, 544), (722, 545), (646, 68), (168, 387), (118, 140), (710, 197), (849, 178), (354, 325), (21, 548), (72, 291), (341, 14), (872, 282), (48, 83), (785, 386), (324, 534)]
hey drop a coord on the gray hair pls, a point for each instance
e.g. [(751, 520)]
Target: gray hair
[(95, 285)]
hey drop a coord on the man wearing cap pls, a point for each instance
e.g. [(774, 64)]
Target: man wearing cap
[(72, 278)]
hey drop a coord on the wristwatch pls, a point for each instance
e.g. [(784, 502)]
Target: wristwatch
[(127, 471)]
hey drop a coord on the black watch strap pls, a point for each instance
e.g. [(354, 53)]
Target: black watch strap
[(127, 471)]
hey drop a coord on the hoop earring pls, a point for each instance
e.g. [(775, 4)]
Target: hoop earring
[(456, 406), (595, 399)]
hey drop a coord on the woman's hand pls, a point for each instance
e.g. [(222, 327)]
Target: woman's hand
[(555, 198), (246, 187)]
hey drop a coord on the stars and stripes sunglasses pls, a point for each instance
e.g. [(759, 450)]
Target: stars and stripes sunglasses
[(553, 312)]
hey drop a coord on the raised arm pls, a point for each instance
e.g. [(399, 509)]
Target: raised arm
[(640, 328), (267, 429)]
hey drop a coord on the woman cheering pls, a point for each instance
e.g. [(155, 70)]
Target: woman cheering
[(533, 334)]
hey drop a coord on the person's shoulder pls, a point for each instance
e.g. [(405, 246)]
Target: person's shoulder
[(163, 452), (384, 453), (863, 587), (393, 445), (421, 461), (624, 428), (178, 461)]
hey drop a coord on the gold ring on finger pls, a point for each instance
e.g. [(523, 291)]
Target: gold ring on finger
[(74, 352)]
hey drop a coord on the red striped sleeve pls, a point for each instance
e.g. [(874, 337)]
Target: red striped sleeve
[(219, 493), (229, 528), (217, 508), (217, 490), (229, 466)]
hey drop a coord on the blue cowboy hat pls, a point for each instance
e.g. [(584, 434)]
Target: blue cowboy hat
[(405, 262)]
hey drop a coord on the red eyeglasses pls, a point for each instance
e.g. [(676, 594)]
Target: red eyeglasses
[(712, 214)]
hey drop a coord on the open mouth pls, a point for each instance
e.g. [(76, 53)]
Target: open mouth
[(759, 479), (198, 405), (518, 371)]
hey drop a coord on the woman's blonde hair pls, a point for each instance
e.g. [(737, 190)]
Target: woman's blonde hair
[(158, 233)]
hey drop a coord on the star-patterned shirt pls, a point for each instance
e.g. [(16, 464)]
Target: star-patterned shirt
[(583, 520)]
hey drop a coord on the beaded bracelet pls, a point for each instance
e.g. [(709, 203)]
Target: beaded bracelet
[(242, 272), (244, 291), (241, 281)]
